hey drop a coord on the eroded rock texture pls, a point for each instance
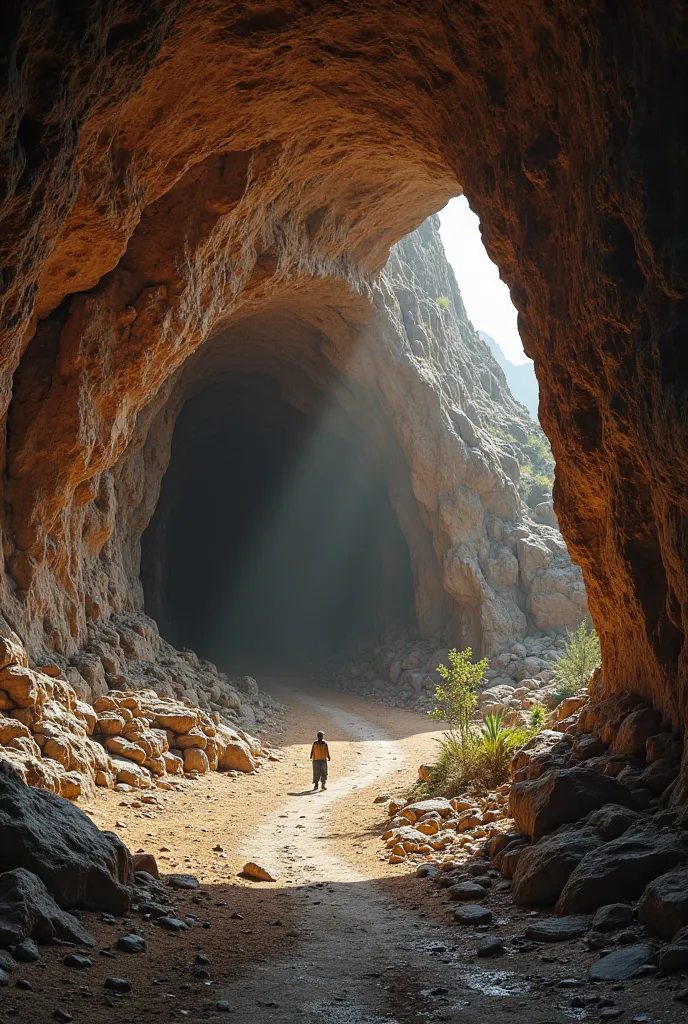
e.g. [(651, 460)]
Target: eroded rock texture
[(174, 171)]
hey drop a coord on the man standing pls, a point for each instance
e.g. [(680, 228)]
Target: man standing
[(320, 755)]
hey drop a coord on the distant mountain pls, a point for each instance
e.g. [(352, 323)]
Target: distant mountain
[(520, 377)]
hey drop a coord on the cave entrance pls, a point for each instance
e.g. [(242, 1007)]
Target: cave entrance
[(274, 546)]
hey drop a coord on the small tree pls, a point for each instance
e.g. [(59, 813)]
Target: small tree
[(456, 700), (580, 659)]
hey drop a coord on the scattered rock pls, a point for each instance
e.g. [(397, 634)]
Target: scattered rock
[(613, 917), (557, 929), (473, 914), (673, 958), (491, 948), (224, 1006), (466, 891), (119, 985), (183, 882), (171, 924), (131, 943), (612, 820), (62, 1015), (78, 961), (623, 964), (146, 862), (26, 952), (258, 872)]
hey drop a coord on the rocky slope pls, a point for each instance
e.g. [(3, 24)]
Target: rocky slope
[(519, 376)]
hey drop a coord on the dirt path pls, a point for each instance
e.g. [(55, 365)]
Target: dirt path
[(341, 937)]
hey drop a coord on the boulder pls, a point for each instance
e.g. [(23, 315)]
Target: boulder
[(673, 958), (623, 964), (635, 730), (620, 870), (586, 746), (233, 753), (80, 865), (660, 774), (195, 760), (473, 914), (544, 868), (612, 820), (613, 917), (27, 910), (663, 746), (663, 906), (146, 862), (466, 891), (541, 805)]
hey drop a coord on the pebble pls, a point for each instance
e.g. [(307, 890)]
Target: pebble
[(171, 924), (183, 882), (224, 1006), (23, 983), (201, 958), (131, 944), (62, 1015), (491, 947), (4, 978), (6, 961), (77, 960), (117, 985)]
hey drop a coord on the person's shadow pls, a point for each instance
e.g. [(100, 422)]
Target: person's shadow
[(305, 792)]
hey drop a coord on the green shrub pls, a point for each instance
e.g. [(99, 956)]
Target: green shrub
[(455, 701), (537, 719), (578, 662), (478, 760), (443, 302)]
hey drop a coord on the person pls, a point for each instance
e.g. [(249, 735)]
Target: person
[(320, 755)]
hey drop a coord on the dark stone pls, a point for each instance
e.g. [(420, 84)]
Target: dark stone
[(427, 871), (183, 882), (508, 859), (543, 868), (224, 1006), (6, 961), (563, 795), (586, 746), (557, 929), (502, 840), (466, 891), (201, 958), (664, 746), (663, 906), (154, 910), (620, 870), (52, 838), (171, 924), (491, 948), (673, 958), (62, 1015), (117, 985), (4, 978), (613, 917), (623, 964), (24, 984), (78, 961), (612, 820), (26, 952), (660, 774), (27, 910), (131, 943), (473, 914), (478, 867)]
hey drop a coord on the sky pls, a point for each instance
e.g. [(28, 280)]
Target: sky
[(485, 295)]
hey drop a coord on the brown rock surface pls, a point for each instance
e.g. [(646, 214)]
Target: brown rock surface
[(207, 162)]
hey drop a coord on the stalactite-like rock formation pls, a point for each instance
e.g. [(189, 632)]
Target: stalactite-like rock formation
[(176, 170)]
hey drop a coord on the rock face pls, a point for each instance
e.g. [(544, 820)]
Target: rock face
[(207, 165)]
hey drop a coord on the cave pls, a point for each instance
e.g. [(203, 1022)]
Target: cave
[(274, 547), (173, 174)]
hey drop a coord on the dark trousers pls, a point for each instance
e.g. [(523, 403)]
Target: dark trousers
[(319, 772)]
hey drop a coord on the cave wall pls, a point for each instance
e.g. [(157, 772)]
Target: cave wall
[(169, 166)]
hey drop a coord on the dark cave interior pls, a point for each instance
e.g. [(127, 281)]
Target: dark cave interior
[(274, 546)]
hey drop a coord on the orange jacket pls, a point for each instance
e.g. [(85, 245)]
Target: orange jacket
[(320, 751)]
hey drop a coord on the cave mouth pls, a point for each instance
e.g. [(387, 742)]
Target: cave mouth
[(274, 546)]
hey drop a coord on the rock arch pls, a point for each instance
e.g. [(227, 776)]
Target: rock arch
[(169, 172)]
